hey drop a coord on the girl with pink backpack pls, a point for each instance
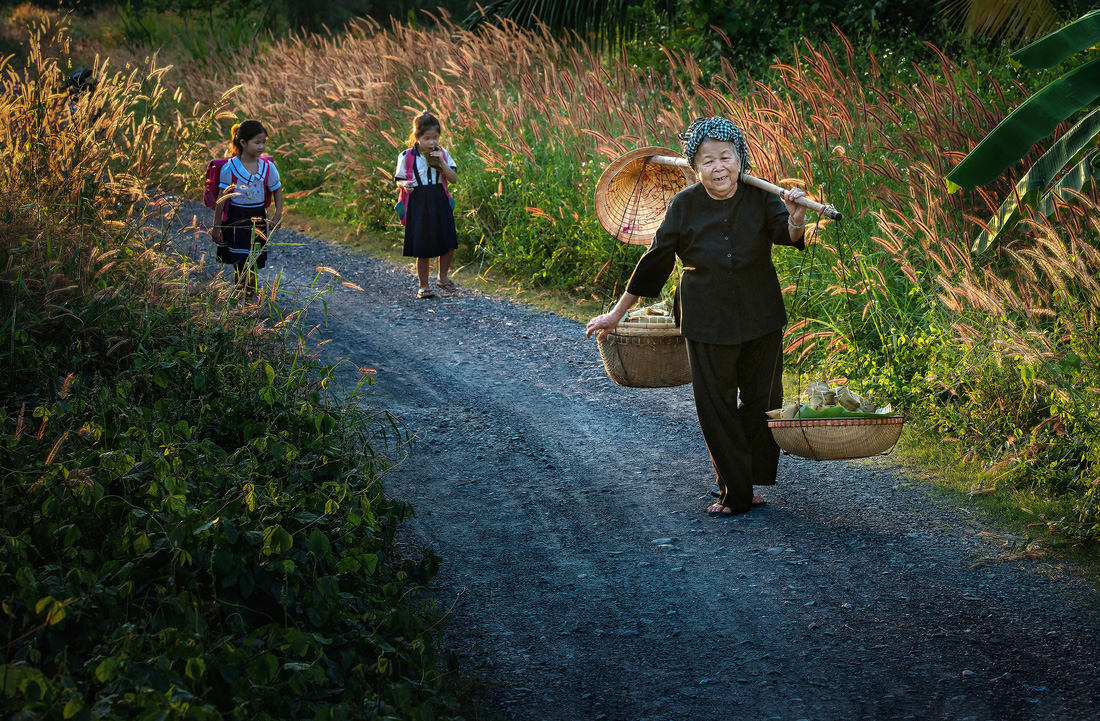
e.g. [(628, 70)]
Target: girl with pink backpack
[(247, 182), (426, 208)]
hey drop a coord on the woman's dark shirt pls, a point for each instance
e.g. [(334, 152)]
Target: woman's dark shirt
[(729, 290)]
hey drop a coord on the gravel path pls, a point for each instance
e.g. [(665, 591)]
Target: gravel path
[(586, 582)]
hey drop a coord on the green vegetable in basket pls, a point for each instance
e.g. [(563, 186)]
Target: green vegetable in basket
[(806, 412)]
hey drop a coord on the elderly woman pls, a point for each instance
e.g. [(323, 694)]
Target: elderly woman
[(732, 306)]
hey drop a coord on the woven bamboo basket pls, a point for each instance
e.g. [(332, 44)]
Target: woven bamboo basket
[(646, 355), (837, 439)]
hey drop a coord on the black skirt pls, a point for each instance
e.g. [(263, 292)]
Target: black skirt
[(429, 223), (243, 232)]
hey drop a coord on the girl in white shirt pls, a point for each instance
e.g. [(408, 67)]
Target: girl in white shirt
[(429, 213), (243, 234)]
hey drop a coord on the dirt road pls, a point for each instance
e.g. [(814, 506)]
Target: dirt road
[(586, 581)]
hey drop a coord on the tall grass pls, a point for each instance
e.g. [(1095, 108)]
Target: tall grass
[(190, 527), (996, 354)]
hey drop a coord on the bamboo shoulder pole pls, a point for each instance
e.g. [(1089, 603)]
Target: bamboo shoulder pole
[(827, 210)]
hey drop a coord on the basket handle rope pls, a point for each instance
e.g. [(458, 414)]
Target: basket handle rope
[(629, 209)]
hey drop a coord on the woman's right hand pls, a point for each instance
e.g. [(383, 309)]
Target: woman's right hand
[(602, 325)]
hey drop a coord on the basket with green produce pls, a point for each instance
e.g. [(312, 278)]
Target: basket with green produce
[(834, 423)]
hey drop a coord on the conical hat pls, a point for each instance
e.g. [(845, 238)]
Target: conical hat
[(633, 194)]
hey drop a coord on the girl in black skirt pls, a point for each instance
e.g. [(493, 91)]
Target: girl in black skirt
[(423, 171), (243, 232)]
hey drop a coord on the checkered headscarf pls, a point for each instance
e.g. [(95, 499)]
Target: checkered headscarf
[(716, 128)]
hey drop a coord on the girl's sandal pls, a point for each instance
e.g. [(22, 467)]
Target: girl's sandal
[(425, 293), (446, 284)]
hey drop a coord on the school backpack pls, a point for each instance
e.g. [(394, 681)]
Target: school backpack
[(211, 192), (403, 197)]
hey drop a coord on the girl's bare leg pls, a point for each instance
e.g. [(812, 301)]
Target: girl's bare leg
[(445, 264), (422, 271)]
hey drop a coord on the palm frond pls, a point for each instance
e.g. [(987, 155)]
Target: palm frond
[(1009, 20)]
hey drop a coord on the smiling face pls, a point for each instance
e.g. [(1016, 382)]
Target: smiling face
[(718, 166)]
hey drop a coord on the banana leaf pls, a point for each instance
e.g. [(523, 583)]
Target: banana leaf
[(1077, 179), (1035, 119), (1068, 149), (1048, 51)]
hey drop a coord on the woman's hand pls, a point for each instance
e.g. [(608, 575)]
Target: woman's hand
[(797, 212), (602, 325)]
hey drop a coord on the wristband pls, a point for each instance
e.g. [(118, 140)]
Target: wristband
[(793, 226)]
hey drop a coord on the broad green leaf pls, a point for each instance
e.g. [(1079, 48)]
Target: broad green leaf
[(229, 673), (371, 562), (142, 544), (264, 669), (56, 614), (11, 676), (105, 672), (1081, 34), (195, 668), (34, 688), (1076, 179), (277, 540), (1034, 120), (73, 707), (318, 543), (1068, 149)]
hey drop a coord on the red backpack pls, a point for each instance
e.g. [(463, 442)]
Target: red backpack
[(211, 192), (403, 197)]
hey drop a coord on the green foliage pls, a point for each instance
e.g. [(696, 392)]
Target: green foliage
[(206, 36), (190, 526), (1034, 120), (595, 19), (1052, 49), (755, 32), (526, 225), (1076, 146)]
